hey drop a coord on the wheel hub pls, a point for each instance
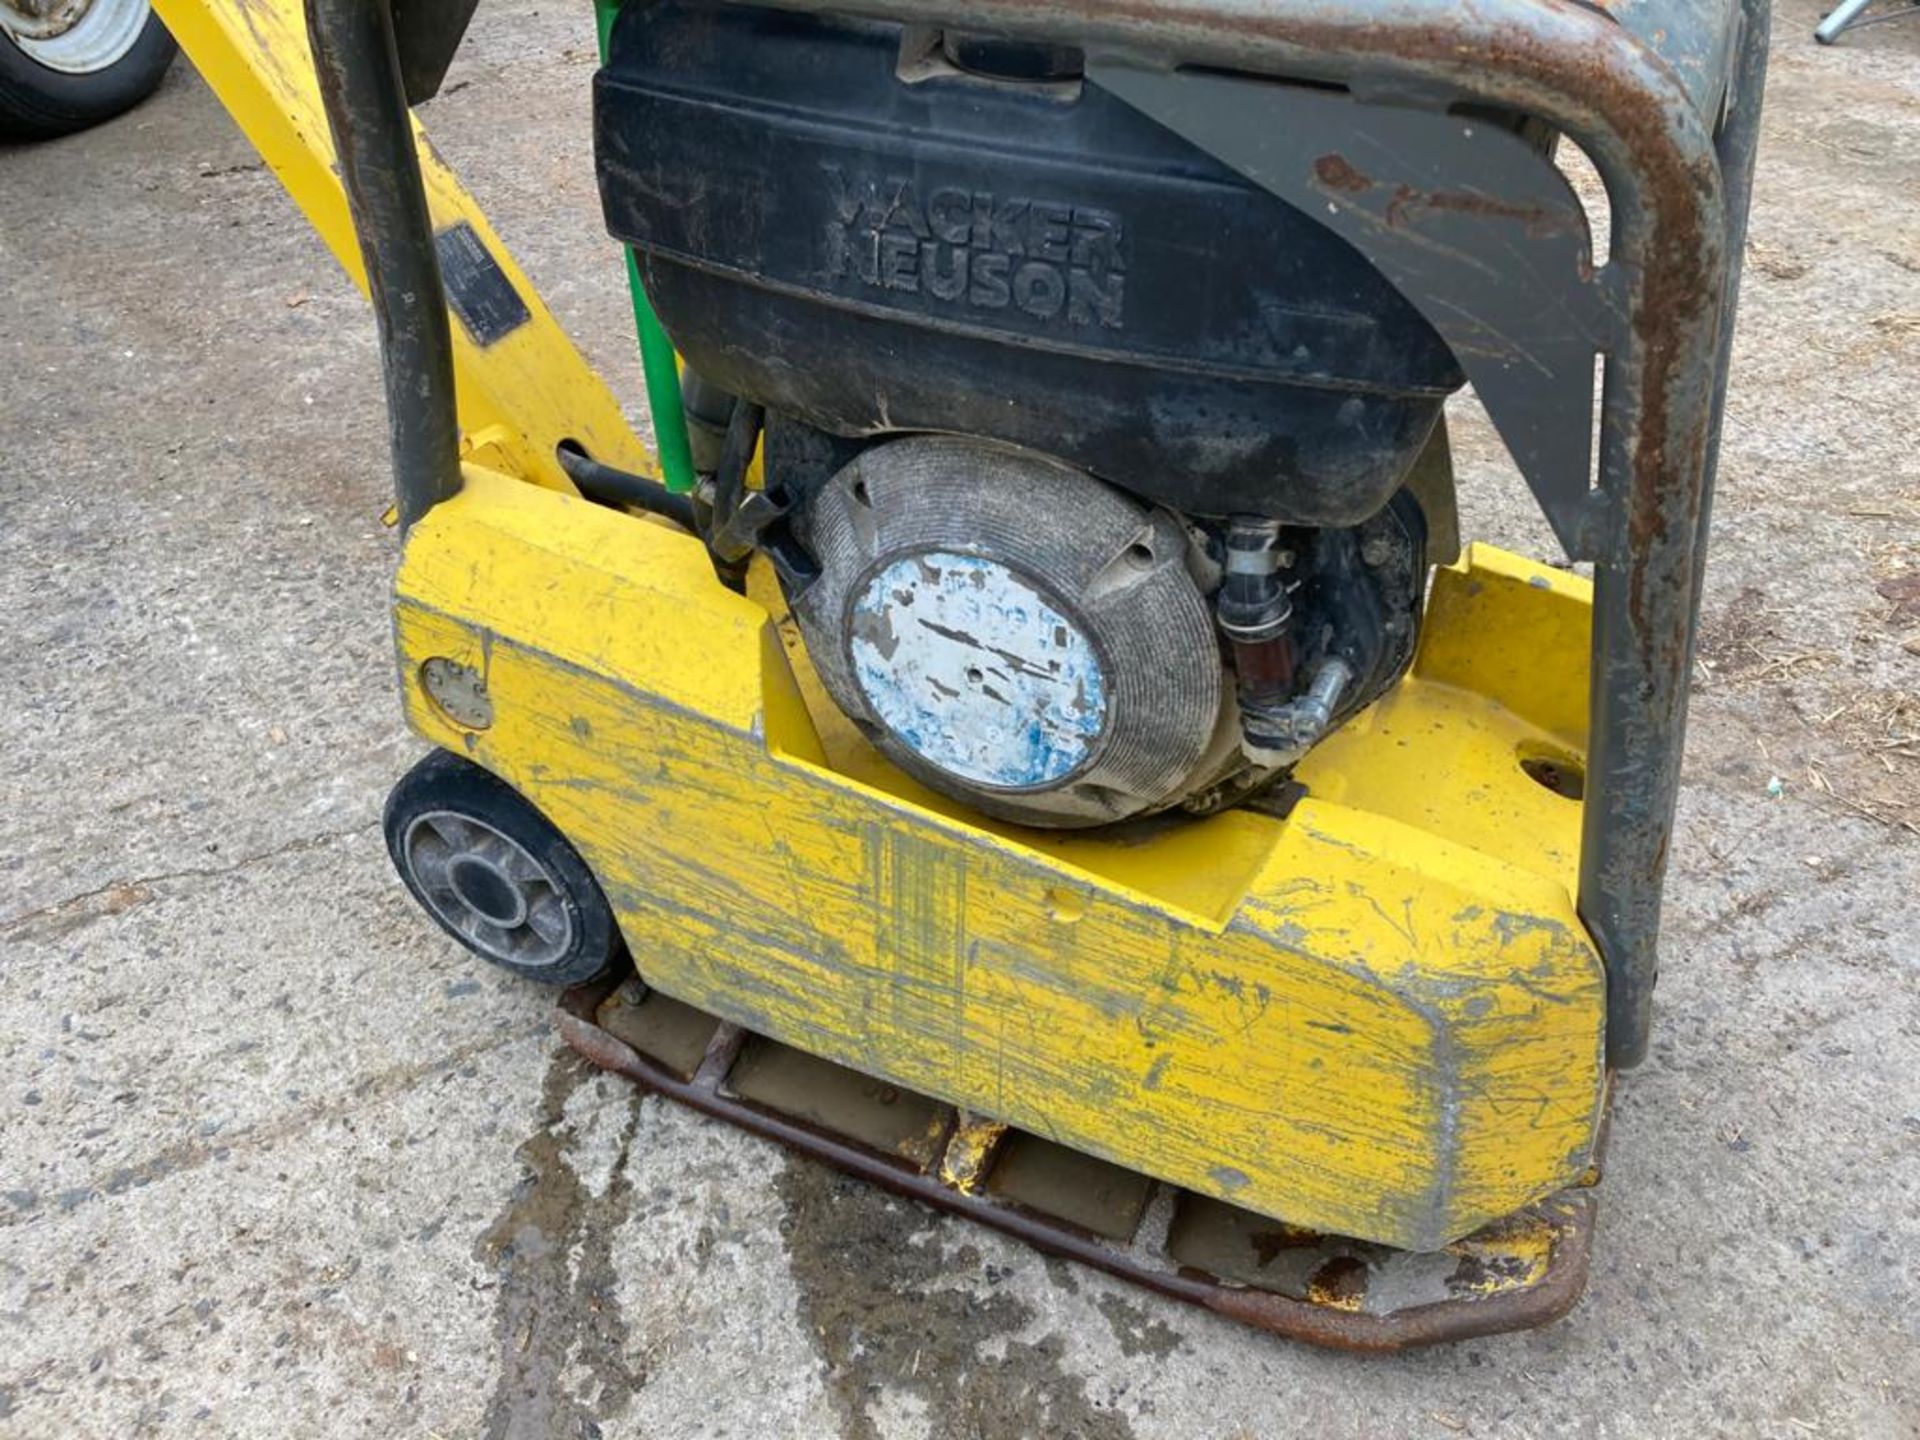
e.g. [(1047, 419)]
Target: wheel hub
[(486, 888), (483, 889), (77, 37), (41, 19)]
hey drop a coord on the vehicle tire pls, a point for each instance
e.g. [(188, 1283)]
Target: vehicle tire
[(68, 64), (496, 875)]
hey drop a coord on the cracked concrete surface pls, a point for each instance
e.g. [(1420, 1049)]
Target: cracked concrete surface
[(276, 1160)]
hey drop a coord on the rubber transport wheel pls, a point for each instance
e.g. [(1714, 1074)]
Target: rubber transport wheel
[(496, 875), (69, 64)]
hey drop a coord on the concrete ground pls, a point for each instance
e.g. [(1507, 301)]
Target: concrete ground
[(277, 1160)]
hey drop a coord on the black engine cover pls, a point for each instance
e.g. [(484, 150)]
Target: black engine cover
[(1037, 263)]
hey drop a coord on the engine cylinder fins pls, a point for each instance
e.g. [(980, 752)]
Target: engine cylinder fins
[(1012, 632)]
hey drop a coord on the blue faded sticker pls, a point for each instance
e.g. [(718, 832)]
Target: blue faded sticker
[(970, 667)]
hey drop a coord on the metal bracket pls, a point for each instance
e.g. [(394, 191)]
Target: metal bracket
[(425, 34), (1471, 221)]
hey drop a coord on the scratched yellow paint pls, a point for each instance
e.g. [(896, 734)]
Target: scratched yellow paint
[(1380, 1025), (531, 389), (1501, 670)]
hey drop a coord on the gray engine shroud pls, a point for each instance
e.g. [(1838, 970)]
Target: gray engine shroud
[(1015, 633)]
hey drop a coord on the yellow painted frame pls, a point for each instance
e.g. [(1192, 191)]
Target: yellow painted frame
[(1379, 1016)]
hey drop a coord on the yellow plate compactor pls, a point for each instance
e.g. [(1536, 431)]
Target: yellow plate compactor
[(1032, 734)]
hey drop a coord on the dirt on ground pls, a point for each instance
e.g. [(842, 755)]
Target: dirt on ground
[(277, 1159)]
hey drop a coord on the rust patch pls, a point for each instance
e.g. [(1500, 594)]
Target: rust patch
[(1338, 175), (1341, 1283), (1408, 203), (1336, 172)]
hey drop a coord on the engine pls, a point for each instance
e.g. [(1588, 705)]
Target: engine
[(1101, 482)]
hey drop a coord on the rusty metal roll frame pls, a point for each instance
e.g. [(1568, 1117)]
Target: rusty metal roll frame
[(1145, 1256), (1678, 193)]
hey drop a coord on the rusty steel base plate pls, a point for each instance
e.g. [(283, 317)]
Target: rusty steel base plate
[(1523, 1271)]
